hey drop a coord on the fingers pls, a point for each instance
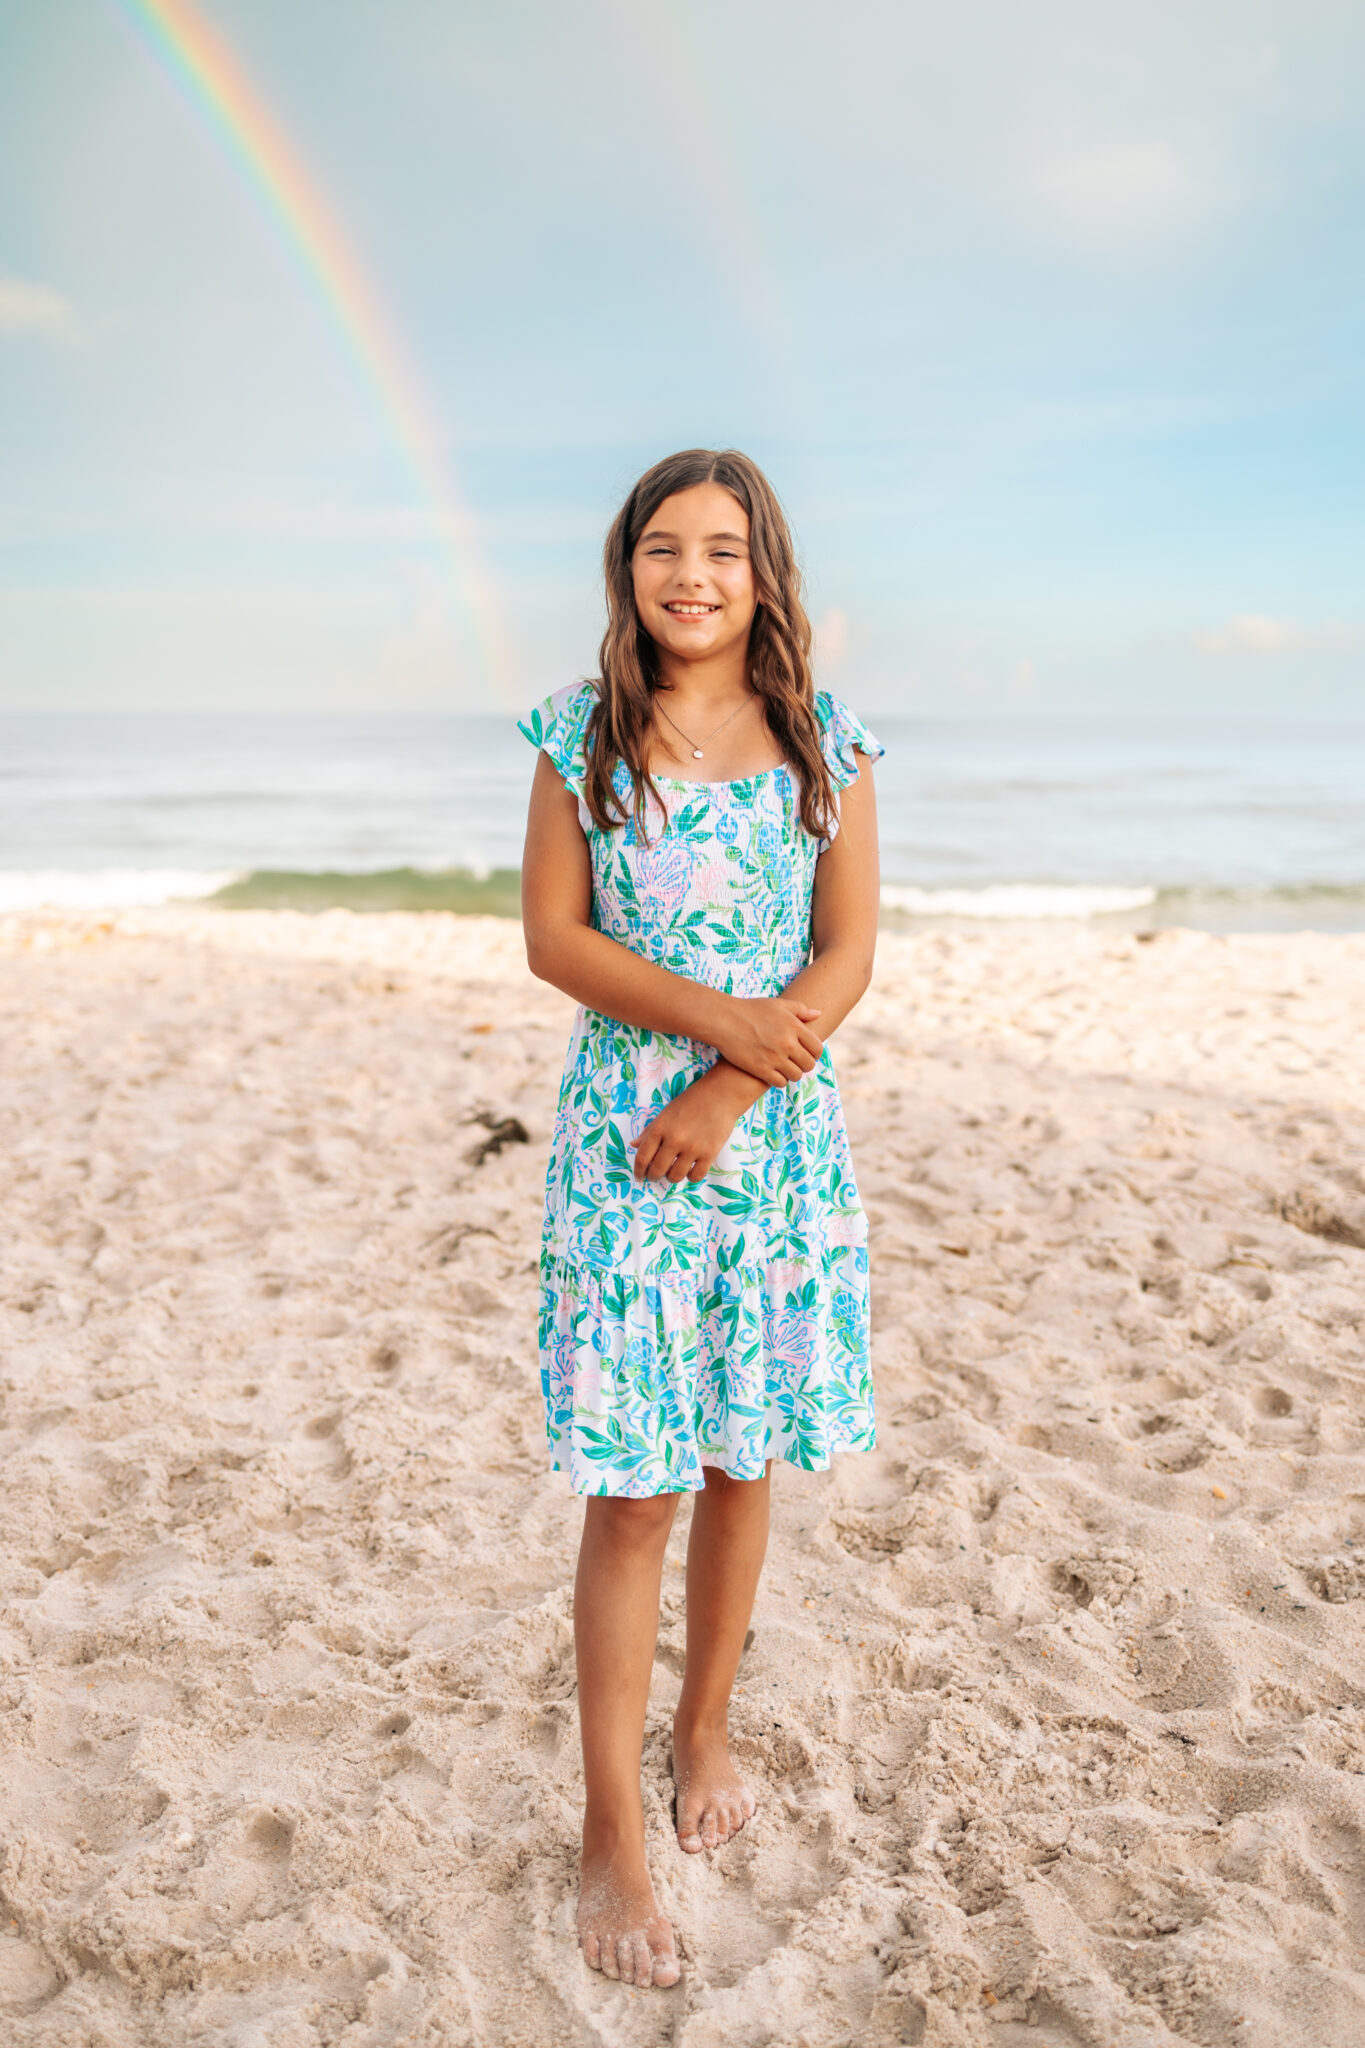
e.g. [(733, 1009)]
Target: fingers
[(659, 1157), (799, 1064), (646, 1145), (760, 1061)]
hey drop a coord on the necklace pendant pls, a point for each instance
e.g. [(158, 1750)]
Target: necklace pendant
[(697, 754)]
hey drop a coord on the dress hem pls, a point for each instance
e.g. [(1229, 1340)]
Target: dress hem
[(712, 1464)]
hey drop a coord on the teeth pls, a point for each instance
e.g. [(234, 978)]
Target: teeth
[(690, 611)]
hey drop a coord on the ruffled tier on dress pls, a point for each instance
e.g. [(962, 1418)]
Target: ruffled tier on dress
[(718, 1323)]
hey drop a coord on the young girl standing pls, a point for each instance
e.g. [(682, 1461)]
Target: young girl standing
[(701, 875)]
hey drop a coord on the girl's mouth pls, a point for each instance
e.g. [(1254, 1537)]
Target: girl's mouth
[(680, 610)]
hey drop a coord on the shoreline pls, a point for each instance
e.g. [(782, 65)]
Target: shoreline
[(1102, 907)]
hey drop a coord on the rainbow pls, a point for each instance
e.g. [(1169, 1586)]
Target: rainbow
[(200, 63)]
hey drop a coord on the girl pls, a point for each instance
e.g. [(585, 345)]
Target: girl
[(700, 874)]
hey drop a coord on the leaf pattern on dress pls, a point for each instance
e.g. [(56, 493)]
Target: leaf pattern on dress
[(722, 1323)]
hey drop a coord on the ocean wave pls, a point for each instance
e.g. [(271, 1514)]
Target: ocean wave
[(1016, 900), (495, 892), (108, 888), (467, 892)]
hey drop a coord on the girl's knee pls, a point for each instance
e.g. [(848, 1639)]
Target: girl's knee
[(634, 1522), (722, 1485)]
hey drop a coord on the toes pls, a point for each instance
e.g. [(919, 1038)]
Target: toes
[(713, 1820), (689, 1828), (629, 1959), (711, 1823), (666, 1968), (725, 1820)]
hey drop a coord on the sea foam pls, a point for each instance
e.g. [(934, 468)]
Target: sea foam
[(107, 888), (1018, 900)]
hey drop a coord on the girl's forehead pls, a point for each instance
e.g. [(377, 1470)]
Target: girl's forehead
[(702, 508)]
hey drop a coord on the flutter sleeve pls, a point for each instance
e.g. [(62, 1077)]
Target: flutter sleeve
[(841, 732), (558, 727)]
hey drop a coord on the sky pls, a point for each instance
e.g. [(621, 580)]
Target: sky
[(1047, 321)]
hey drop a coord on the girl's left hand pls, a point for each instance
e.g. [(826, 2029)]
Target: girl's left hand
[(682, 1141)]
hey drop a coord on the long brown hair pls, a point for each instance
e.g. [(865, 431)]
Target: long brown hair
[(779, 642)]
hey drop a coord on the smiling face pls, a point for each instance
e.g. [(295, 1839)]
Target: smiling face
[(694, 581)]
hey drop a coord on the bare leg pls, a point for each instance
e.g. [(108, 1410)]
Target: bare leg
[(724, 1558), (616, 1623)]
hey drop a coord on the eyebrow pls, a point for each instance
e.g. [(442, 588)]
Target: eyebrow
[(657, 533)]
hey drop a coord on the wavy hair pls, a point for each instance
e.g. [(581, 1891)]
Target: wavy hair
[(779, 643)]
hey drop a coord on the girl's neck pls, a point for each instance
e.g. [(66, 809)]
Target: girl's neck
[(719, 682), (709, 724)]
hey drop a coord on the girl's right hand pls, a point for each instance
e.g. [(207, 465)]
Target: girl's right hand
[(770, 1037)]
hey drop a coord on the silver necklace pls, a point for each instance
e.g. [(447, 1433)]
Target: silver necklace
[(697, 752)]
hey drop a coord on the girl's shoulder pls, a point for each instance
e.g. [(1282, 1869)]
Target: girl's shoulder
[(842, 733), (558, 726)]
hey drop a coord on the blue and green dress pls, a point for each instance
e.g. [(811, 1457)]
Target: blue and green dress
[(722, 1322)]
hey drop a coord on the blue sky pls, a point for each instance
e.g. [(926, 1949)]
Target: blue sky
[(1047, 321)]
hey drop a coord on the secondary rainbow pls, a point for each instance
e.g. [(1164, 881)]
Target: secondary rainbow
[(198, 60)]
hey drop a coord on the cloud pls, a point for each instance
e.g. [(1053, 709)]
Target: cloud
[(1128, 191), (1253, 633), (1137, 185), (32, 308)]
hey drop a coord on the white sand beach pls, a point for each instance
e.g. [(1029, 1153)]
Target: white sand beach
[(1055, 1705)]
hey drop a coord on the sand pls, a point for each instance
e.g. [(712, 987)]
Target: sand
[(1055, 1704)]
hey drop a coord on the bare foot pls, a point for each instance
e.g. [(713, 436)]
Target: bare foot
[(621, 1931), (713, 1802)]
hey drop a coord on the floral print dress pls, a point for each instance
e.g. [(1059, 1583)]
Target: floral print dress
[(722, 1322)]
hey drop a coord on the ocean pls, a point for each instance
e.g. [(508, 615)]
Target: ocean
[(1138, 824)]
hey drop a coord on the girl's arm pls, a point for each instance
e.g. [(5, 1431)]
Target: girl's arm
[(682, 1141), (844, 908), (770, 1039)]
